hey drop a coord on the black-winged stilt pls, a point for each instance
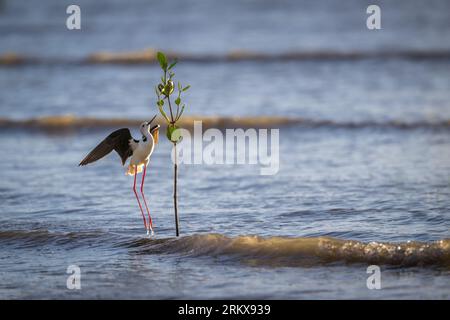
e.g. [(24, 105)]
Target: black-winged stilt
[(139, 150)]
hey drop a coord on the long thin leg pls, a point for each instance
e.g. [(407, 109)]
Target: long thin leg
[(143, 197), (137, 198)]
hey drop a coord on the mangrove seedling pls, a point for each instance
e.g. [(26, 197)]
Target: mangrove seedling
[(165, 91)]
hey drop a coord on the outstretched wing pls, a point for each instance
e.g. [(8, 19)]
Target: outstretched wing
[(119, 141)]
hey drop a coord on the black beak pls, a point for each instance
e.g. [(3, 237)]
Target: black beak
[(148, 123)]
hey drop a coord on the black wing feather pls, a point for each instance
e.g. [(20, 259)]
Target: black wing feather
[(119, 141)]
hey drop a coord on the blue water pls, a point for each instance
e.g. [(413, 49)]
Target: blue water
[(345, 197)]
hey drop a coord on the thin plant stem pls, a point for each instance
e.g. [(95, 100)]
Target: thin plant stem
[(175, 178), (170, 108)]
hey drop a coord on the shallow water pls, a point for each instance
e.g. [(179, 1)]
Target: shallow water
[(385, 186), (365, 179)]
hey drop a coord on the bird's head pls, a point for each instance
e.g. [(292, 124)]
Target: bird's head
[(147, 128)]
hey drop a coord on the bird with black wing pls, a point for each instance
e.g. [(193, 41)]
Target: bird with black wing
[(140, 151)]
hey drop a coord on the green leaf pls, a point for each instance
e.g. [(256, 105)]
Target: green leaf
[(168, 88), (173, 134), (185, 88), (163, 113), (160, 103), (179, 86), (162, 60), (178, 101), (172, 64)]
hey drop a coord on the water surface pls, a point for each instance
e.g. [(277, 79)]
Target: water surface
[(369, 185)]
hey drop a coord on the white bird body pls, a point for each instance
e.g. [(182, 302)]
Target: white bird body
[(142, 150)]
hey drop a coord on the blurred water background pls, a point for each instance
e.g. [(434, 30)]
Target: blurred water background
[(369, 185)]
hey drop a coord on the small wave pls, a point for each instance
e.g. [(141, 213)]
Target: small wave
[(42, 237), (284, 251), (252, 250), (71, 123), (148, 56)]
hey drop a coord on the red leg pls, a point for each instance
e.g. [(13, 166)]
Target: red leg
[(143, 197), (137, 198)]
